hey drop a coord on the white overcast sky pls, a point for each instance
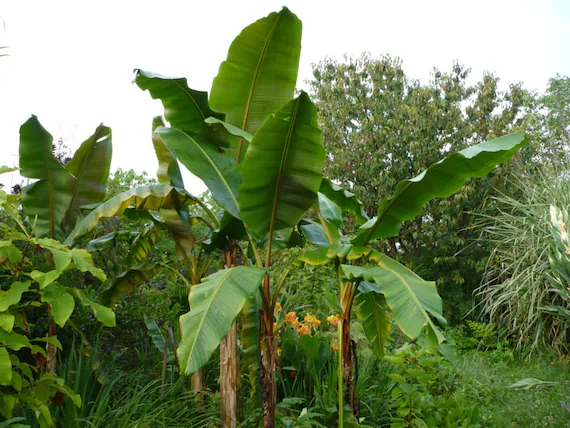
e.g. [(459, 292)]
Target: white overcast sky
[(71, 62)]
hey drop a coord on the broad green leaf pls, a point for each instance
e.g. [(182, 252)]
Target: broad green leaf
[(13, 295), (346, 201), (4, 169), (214, 305), (7, 321), (184, 108), (129, 281), (155, 333), (52, 340), (103, 314), (62, 303), (7, 404), (282, 169), (48, 198), (84, 262), (229, 128), (17, 341), (61, 254), (89, 170), (11, 254), (316, 257), (5, 367), (220, 173), (230, 227), (100, 243), (143, 198), (168, 169), (372, 312), (44, 278), (177, 221), (315, 233), (142, 245), (330, 211), (260, 72), (408, 297), (439, 180)]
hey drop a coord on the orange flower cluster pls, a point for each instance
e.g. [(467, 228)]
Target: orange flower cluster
[(334, 346), (333, 319), (291, 319), (278, 307), (311, 323)]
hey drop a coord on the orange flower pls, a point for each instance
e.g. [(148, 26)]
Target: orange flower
[(278, 307), (312, 321), (334, 346), (274, 325), (304, 329), (290, 317), (333, 319)]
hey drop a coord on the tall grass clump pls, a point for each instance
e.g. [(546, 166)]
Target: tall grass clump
[(517, 284)]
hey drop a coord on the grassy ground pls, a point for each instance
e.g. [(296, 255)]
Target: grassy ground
[(483, 378)]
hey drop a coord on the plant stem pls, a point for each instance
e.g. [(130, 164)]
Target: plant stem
[(340, 379)]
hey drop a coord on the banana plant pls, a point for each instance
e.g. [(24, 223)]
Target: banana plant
[(259, 151), (385, 291), (53, 202)]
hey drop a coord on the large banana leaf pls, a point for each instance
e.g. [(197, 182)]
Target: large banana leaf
[(142, 245), (346, 201), (281, 171), (128, 281), (220, 173), (177, 221), (184, 108), (153, 197), (372, 311), (214, 305), (439, 180), (260, 72), (89, 170), (47, 200), (409, 298)]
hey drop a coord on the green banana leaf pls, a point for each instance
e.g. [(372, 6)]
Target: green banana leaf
[(214, 305), (142, 245), (439, 180), (260, 72), (372, 312), (47, 200), (409, 298), (281, 171), (89, 170), (220, 173), (153, 197), (184, 108), (177, 221), (346, 201), (128, 281)]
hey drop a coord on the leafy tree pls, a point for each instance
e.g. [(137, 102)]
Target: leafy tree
[(121, 181), (381, 127)]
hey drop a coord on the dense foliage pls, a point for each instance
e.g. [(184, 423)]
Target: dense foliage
[(280, 298)]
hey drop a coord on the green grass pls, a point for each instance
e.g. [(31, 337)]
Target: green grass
[(480, 379)]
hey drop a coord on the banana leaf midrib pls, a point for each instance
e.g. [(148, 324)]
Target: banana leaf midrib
[(209, 305), (281, 171), (253, 84), (76, 184), (410, 290)]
